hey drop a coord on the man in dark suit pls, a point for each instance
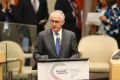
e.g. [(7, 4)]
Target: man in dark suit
[(28, 14), (33, 12), (70, 20), (47, 44)]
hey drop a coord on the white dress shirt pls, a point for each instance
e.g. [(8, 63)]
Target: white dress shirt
[(60, 36), (37, 3)]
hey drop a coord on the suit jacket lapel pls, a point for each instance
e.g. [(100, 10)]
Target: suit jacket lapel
[(63, 40), (51, 40)]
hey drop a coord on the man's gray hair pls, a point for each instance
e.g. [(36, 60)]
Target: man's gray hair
[(60, 13)]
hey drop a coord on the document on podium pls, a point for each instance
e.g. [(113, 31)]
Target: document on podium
[(93, 17), (70, 69)]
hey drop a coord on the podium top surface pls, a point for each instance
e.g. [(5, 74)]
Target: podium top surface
[(63, 60)]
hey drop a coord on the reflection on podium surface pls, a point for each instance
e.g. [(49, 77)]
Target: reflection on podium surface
[(23, 34)]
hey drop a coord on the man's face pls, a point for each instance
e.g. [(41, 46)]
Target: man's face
[(103, 2), (56, 22)]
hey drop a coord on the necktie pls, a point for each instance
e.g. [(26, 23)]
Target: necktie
[(58, 46)]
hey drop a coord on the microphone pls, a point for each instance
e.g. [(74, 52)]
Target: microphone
[(43, 57)]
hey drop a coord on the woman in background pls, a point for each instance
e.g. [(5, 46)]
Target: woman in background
[(111, 20), (100, 8)]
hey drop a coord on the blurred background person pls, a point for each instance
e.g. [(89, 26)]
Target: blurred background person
[(111, 20), (101, 7), (72, 13), (7, 10), (34, 12), (31, 12), (24, 34), (7, 15)]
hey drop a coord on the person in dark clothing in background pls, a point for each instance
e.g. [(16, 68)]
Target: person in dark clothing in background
[(7, 15), (70, 14), (34, 12), (7, 11)]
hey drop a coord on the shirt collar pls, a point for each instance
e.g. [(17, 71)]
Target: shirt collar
[(60, 32)]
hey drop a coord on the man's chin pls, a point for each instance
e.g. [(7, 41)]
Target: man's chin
[(55, 30)]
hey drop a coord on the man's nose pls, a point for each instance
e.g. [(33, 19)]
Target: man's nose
[(54, 23)]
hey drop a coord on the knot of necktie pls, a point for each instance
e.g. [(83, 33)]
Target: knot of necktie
[(56, 33)]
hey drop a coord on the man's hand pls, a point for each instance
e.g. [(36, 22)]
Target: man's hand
[(103, 18)]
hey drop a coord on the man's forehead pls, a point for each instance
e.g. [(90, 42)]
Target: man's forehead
[(56, 17)]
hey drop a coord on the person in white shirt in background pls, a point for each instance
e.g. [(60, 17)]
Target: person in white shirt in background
[(100, 8)]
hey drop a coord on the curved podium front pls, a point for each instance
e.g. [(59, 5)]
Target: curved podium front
[(63, 69)]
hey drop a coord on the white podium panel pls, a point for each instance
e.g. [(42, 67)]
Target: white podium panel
[(76, 69)]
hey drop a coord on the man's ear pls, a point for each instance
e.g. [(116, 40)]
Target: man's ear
[(63, 22)]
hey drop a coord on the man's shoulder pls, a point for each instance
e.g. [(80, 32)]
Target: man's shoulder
[(44, 32), (68, 31)]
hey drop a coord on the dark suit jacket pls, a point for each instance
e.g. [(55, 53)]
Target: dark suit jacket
[(70, 19), (45, 45), (27, 15)]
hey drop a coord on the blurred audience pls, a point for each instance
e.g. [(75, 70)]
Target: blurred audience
[(100, 8), (33, 12), (71, 11), (111, 20), (7, 14), (7, 11)]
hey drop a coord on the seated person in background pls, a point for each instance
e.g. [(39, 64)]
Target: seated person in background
[(25, 39), (72, 16), (100, 8), (56, 42), (111, 20)]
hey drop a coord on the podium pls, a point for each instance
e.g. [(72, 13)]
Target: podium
[(115, 69), (63, 69), (2, 60)]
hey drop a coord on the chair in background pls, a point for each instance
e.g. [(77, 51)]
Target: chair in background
[(19, 71), (99, 49)]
